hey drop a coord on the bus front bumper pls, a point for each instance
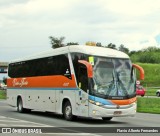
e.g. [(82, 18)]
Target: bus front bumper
[(112, 111)]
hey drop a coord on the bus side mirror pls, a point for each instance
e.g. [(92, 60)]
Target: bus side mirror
[(88, 66), (140, 69)]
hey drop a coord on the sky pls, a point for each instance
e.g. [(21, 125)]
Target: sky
[(25, 25)]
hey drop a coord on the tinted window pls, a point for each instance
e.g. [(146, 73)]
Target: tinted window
[(55, 65), (75, 58)]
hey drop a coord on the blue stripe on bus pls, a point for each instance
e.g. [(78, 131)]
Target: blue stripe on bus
[(43, 88), (101, 100)]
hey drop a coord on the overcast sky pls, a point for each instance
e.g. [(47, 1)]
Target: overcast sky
[(25, 25)]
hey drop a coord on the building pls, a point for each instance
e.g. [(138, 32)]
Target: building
[(3, 67)]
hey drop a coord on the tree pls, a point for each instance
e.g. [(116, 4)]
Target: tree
[(123, 49), (151, 49), (57, 42), (147, 55), (112, 46), (132, 53), (72, 43)]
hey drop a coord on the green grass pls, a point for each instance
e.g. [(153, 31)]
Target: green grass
[(150, 92), (2, 94), (148, 105), (152, 74)]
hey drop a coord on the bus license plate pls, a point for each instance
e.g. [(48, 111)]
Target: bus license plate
[(117, 112)]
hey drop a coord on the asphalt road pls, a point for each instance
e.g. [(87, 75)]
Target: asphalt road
[(10, 118)]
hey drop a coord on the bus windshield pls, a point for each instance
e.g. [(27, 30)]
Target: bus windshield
[(113, 78)]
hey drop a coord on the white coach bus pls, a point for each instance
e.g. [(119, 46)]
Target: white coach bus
[(75, 81)]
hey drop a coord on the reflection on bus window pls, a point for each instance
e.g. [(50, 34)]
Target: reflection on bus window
[(112, 77)]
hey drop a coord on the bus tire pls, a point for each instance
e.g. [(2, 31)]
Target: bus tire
[(67, 111), (106, 118), (20, 108)]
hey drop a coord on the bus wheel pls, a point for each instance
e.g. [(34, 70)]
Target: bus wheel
[(20, 105), (67, 111), (106, 118)]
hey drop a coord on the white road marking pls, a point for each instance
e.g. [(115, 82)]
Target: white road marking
[(34, 124), (12, 120), (2, 117), (3, 125)]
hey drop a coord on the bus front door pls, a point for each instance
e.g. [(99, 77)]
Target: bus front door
[(82, 96)]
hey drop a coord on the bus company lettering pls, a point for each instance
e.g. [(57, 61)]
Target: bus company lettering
[(22, 82)]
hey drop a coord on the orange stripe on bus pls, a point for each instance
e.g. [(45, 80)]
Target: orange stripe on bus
[(124, 102), (42, 81)]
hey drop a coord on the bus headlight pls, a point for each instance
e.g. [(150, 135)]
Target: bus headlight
[(98, 103)]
